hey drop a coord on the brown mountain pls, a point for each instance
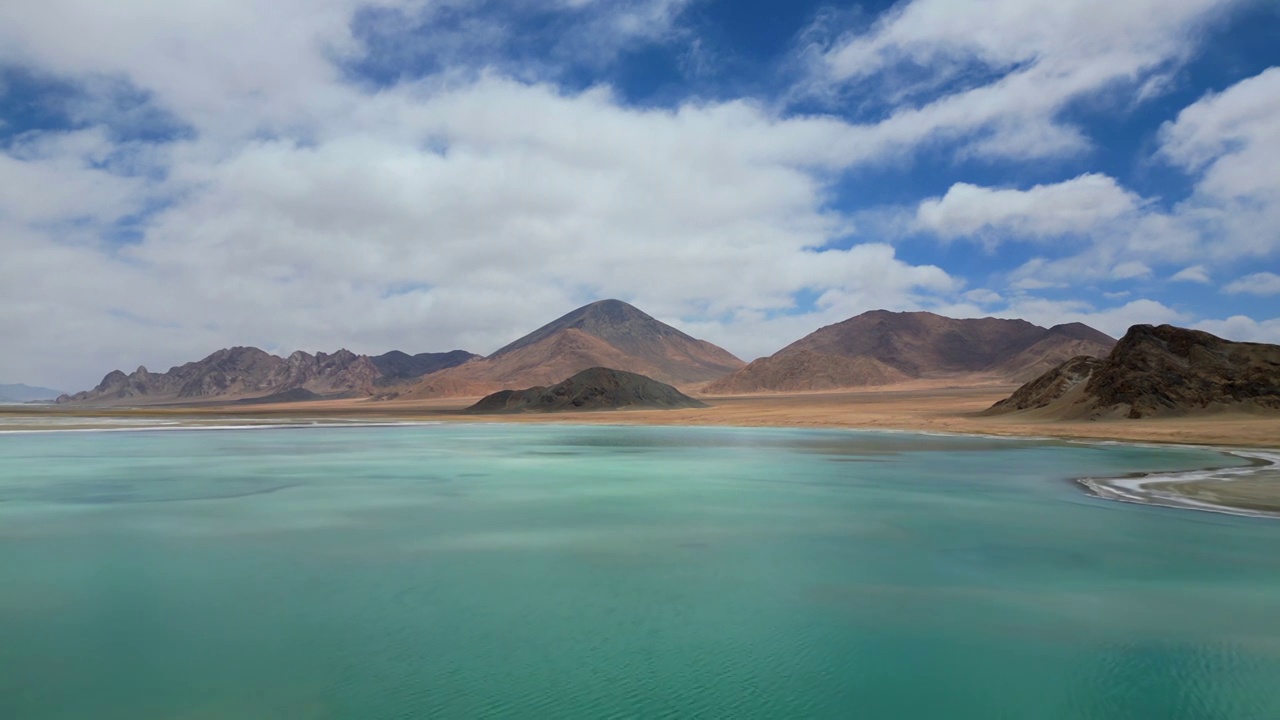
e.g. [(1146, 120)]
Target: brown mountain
[(246, 372), (891, 347), (806, 370), (397, 366), (1156, 371), (608, 333), (1058, 344), (595, 388)]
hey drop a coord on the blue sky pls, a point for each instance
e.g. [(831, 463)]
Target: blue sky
[(432, 174)]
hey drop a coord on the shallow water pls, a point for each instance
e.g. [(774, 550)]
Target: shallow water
[(461, 571)]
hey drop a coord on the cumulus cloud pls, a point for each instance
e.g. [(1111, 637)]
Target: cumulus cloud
[(1042, 212), (1038, 56), (1263, 283), (1230, 140), (1225, 140), (983, 296), (1244, 329), (1115, 321), (1195, 274), (272, 195), (422, 218)]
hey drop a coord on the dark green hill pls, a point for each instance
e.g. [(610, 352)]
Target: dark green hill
[(596, 388)]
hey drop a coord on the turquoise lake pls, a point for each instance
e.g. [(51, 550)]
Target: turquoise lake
[(551, 571)]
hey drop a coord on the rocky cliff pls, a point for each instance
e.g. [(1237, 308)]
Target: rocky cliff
[(1157, 371)]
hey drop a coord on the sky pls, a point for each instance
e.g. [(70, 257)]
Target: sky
[(425, 175)]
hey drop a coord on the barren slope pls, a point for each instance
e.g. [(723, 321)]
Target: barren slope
[(608, 333), (1158, 371)]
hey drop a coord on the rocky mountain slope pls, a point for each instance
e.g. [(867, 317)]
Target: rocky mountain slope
[(890, 347), (397, 366), (1057, 345), (608, 333), (804, 371), (596, 388), (1155, 371), (245, 372)]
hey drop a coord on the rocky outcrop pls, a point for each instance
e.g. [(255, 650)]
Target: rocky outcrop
[(1158, 371), (891, 347), (596, 388), (1065, 381)]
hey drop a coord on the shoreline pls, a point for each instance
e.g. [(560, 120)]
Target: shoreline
[(1252, 490), (1170, 489)]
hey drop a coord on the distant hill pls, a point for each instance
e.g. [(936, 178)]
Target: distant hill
[(26, 393), (1156, 371), (244, 373), (1057, 345), (608, 333), (807, 370), (882, 348), (397, 366), (595, 388)]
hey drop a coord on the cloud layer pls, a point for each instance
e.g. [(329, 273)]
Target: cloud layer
[(381, 175)]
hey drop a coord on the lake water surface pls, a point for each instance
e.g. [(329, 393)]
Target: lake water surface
[(539, 571)]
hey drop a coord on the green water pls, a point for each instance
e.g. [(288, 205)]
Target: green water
[(601, 572)]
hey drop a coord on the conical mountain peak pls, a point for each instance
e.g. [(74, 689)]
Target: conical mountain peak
[(620, 324), (606, 333)]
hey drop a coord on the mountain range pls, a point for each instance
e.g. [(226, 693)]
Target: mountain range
[(1155, 371), (19, 393), (884, 348), (872, 349), (247, 372), (607, 333)]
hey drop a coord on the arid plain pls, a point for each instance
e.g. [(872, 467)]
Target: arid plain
[(920, 406)]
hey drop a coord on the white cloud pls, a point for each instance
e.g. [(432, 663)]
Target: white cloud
[(1195, 274), (983, 296), (1072, 207), (1231, 139), (1114, 321), (1223, 126), (1263, 283), (303, 210), (1243, 329), (64, 187), (1042, 55), (229, 68), (1094, 229), (1130, 270), (424, 219)]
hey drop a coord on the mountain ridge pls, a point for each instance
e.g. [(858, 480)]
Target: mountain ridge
[(21, 393), (896, 346), (606, 333), (242, 372)]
